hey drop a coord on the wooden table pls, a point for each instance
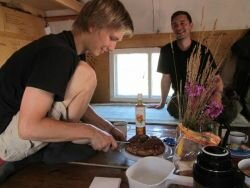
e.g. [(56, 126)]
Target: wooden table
[(61, 176), (81, 175)]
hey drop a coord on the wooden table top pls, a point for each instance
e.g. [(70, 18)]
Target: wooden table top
[(80, 175), (61, 176)]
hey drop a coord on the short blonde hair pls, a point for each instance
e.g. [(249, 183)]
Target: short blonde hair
[(104, 14)]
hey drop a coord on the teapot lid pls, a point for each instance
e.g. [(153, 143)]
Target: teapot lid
[(214, 158), (215, 151)]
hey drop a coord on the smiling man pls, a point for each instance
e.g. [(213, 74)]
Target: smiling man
[(173, 60), (45, 90)]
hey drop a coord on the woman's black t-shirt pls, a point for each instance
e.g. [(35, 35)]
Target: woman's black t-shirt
[(47, 63)]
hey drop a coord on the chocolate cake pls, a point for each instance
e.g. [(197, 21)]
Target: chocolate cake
[(145, 146)]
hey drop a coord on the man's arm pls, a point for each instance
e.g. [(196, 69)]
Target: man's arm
[(217, 96), (165, 87)]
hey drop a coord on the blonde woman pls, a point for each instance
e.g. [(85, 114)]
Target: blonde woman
[(46, 87)]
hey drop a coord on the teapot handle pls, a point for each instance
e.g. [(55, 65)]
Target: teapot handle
[(246, 138), (224, 141)]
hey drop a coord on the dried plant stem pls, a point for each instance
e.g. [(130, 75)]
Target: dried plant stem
[(178, 86)]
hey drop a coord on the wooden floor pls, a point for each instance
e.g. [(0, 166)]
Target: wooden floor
[(81, 175)]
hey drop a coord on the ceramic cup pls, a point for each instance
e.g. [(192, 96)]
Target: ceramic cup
[(244, 166), (237, 138), (122, 126)]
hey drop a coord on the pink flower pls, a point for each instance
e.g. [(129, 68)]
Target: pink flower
[(213, 110), (194, 90)]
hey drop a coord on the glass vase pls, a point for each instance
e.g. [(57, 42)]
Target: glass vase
[(189, 144)]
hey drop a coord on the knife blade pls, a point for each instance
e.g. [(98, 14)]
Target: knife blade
[(121, 145), (122, 142)]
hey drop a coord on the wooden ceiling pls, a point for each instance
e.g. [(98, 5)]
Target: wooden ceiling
[(39, 7)]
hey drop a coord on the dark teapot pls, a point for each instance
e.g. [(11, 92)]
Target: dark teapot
[(214, 168)]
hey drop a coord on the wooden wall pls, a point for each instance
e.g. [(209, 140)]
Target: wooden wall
[(101, 64), (19, 28), (16, 30)]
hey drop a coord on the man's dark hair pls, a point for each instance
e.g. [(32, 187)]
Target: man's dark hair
[(181, 12)]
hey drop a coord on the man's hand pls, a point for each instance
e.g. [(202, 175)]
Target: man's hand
[(156, 106)]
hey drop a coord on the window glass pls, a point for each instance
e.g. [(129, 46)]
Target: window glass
[(132, 74), (134, 71)]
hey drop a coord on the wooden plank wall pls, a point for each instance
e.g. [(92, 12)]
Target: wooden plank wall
[(16, 30), (101, 63)]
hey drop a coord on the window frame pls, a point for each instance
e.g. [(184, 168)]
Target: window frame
[(114, 97)]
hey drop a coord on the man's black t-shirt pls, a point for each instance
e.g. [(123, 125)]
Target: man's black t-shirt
[(47, 63), (173, 61)]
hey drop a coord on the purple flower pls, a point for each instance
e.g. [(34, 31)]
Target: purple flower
[(194, 90), (213, 110)]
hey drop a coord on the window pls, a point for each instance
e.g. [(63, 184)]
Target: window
[(133, 71)]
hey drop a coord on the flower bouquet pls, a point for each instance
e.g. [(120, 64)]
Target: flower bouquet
[(199, 104)]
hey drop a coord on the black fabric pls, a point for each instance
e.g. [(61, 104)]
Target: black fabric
[(174, 61), (47, 63), (66, 152), (173, 107), (230, 101), (241, 83), (54, 153), (242, 47), (9, 168)]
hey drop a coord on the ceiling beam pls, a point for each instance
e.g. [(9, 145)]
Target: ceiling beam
[(60, 18), (22, 5), (72, 4)]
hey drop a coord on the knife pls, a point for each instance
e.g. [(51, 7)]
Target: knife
[(87, 141), (121, 145), (122, 142)]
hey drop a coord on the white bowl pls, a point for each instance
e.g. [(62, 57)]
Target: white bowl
[(149, 172)]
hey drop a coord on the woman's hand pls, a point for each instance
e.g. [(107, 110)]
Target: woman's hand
[(102, 140)]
